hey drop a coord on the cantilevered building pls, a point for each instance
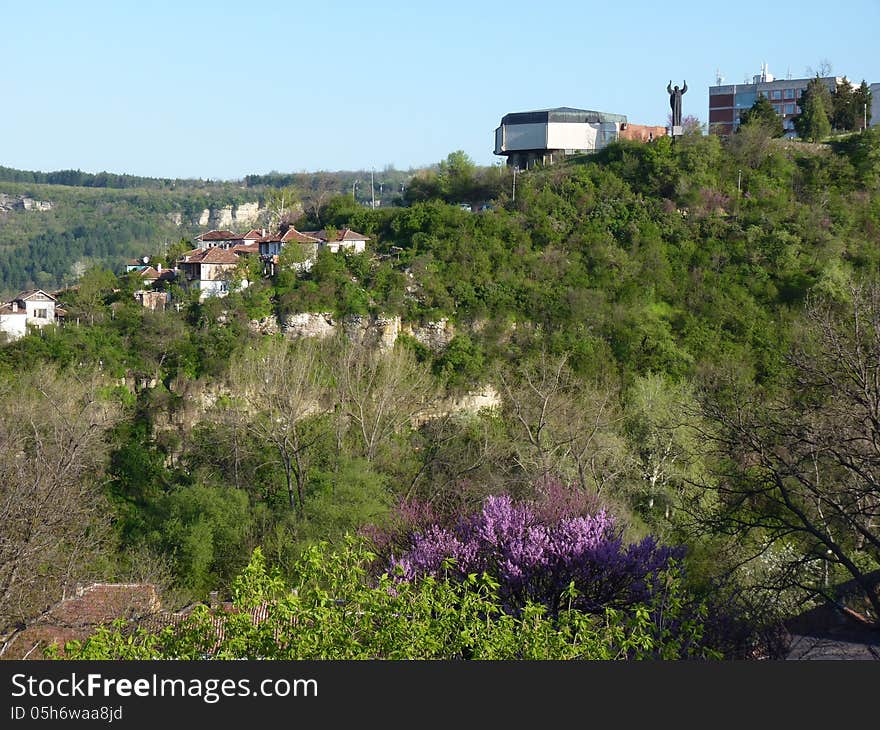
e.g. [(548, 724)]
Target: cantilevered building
[(547, 135)]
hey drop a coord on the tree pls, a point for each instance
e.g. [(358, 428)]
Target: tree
[(52, 457), (379, 392), (844, 114), (763, 113), (89, 300), (813, 122), (862, 102), (337, 609), (283, 206), (798, 470), (278, 387), (562, 426)]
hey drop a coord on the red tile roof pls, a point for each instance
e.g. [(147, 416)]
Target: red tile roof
[(295, 235), (218, 256), (219, 236), (246, 248), (346, 234), (252, 235), (78, 616)]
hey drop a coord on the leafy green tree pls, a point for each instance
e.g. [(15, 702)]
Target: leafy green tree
[(862, 100), (763, 113), (844, 114), (339, 611), (813, 123)]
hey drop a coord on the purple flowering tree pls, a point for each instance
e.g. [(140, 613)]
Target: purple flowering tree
[(535, 551)]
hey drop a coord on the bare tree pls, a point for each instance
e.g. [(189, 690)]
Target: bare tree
[(562, 425), (379, 392), (279, 387), (801, 467), (52, 515)]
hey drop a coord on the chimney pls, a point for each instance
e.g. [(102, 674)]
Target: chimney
[(14, 306), (159, 268)]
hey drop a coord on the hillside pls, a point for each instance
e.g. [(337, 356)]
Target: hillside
[(54, 225), (652, 377)]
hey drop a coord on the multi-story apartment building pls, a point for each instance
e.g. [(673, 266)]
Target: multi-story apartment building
[(728, 102)]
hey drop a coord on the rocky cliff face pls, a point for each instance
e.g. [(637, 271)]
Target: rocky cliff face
[(381, 332), (231, 216), (9, 203)]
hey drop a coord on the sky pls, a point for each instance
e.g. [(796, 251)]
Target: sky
[(218, 90)]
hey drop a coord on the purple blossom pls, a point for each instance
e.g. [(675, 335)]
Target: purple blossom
[(536, 552)]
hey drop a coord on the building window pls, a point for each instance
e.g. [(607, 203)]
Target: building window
[(789, 94), (789, 108), (778, 108), (41, 314), (777, 94)]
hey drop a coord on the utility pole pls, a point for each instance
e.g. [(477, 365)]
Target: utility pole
[(372, 192), (514, 184)]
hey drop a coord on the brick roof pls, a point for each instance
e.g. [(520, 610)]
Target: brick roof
[(218, 256), (79, 615), (346, 234), (7, 309), (216, 235), (295, 235), (252, 235), (32, 293), (246, 248), (214, 255)]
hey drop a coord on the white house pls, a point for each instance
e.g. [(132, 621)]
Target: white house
[(33, 307), (210, 271), (346, 239), (219, 239), (13, 321)]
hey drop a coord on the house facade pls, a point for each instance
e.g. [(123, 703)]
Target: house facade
[(219, 239), (34, 308), (210, 271)]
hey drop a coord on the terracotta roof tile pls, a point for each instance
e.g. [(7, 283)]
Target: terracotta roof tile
[(295, 235), (218, 256), (216, 235)]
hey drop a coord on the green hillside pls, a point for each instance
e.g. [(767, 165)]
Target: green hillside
[(679, 345)]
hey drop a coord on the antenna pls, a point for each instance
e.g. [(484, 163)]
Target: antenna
[(719, 79)]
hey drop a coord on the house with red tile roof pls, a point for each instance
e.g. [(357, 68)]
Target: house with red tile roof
[(211, 270), (38, 307), (219, 239)]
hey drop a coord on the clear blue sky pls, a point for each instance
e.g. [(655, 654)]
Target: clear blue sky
[(222, 89)]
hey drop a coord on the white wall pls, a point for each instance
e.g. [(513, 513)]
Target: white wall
[(14, 325), (32, 306), (561, 136)]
